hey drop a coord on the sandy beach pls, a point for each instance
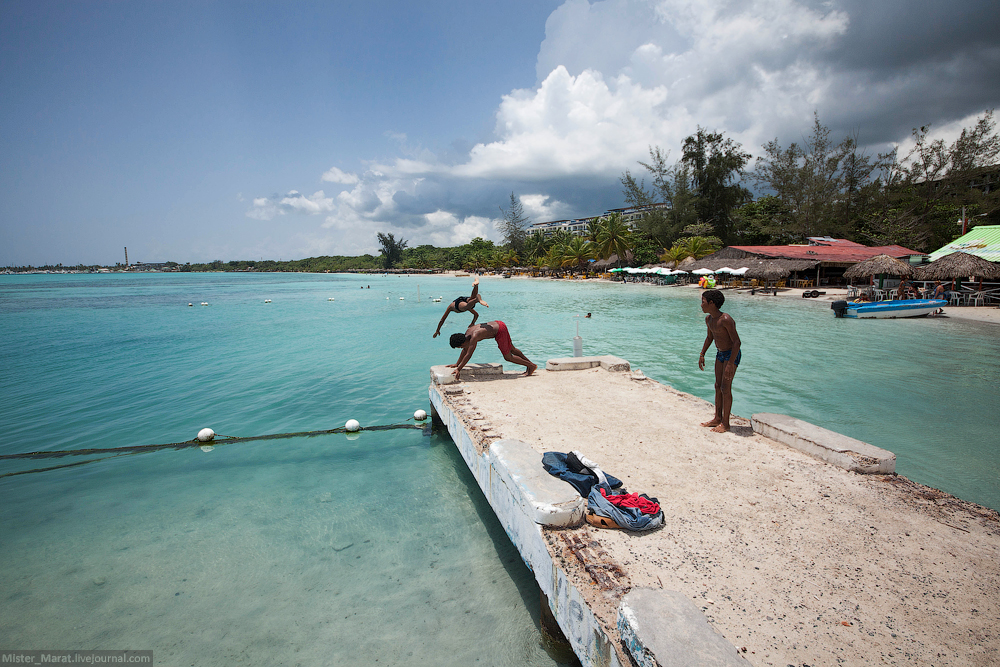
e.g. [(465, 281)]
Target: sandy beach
[(988, 314), (795, 560)]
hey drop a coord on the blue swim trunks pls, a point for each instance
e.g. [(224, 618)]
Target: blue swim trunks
[(723, 356)]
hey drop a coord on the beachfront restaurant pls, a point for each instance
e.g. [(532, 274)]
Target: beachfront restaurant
[(820, 263)]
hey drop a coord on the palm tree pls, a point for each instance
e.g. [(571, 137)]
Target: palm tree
[(699, 246), (614, 237), (676, 254), (577, 252), (554, 258), (535, 246), (593, 229)]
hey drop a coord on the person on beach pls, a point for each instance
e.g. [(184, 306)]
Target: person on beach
[(463, 304), (722, 330), (474, 334)]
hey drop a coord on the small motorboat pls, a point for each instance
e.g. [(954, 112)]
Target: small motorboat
[(887, 309)]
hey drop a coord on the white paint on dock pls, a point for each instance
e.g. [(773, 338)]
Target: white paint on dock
[(840, 450)]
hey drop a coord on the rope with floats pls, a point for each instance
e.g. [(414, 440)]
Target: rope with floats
[(205, 439)]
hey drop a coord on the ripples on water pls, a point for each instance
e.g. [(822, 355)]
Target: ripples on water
[(333, 550)]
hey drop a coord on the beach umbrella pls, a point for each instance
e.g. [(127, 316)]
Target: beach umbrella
[(702, 272), (616, 270), (740, 271), (767, 271), (877, 266), (958, 265), (725, 269)]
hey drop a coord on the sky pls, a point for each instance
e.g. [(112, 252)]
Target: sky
[(195, 131)]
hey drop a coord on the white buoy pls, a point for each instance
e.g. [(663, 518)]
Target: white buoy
[(267, 301), (204, 303), (190, 304), (331, 299), (420, 415), (352, 425), (206, 434), (402, 298)]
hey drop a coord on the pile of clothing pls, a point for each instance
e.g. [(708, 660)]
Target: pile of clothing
[(606, 508)]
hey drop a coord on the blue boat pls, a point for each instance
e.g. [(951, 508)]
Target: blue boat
[(887, 309)]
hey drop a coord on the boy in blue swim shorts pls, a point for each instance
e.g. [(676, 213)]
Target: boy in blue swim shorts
[(721, 330)]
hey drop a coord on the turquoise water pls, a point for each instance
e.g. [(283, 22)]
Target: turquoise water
[(327, 550)]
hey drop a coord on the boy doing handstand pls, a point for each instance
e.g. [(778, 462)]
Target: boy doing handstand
[(496, 330), (722, 330), (463, 304)]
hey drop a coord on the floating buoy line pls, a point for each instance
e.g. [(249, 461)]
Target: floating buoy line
[(206, 440)]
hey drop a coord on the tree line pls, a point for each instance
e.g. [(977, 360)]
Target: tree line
[(819, 187)]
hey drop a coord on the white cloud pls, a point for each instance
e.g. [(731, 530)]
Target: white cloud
[(540, 209), (334, 175), (266, 208)]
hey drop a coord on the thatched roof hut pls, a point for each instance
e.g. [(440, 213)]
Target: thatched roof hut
[(603, 264), (768, 271), (879, 265), (958, 265)]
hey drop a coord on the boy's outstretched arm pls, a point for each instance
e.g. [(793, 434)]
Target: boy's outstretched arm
[(464, 358), (441, 323)]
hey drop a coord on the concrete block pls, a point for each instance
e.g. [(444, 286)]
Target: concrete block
[(839, 450), (661, 628), (443, 375), (547, 500), (607, 362)]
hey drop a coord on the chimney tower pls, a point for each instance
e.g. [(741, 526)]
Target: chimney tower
[(126, 257)]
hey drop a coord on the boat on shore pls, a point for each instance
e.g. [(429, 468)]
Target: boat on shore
[(887, 309)]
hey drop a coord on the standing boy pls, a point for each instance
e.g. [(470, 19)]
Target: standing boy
[(722, 330)]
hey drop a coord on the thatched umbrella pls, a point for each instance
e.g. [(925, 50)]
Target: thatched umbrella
[(959, 265), (767, 272), (877, 266)]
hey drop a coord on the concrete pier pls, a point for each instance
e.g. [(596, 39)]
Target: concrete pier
[(783, 543)]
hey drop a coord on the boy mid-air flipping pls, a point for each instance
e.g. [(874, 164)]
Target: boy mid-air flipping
[(722, 330), (474, 334), (463, 304)]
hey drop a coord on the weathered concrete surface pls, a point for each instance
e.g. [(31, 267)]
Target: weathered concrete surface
[(607, 362), (840, 450), (443, 375), (792, 559), (543, 498), (664, 629)]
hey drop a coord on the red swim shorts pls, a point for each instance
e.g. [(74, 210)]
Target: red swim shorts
[(503, 339)]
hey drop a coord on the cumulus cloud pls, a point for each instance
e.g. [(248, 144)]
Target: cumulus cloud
[(616, 76), (334, 175), (266, 208)]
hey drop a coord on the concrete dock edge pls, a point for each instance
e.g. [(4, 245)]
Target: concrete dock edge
[(834, 448), (589, 641)]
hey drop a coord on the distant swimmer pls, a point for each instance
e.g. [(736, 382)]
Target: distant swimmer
[(474, 334), (721, 330), (463, 304)]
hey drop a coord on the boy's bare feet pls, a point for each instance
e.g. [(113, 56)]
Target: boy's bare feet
[(721, 428), (483, 302), (531, 369), (714, 422)]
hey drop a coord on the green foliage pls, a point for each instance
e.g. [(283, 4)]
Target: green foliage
[(577, 253), (614, 237), (513, 224), (392, 249), (717, 166)]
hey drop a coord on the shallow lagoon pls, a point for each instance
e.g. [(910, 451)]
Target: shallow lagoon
[(327, 550)]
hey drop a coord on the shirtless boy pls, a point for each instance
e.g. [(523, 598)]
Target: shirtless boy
[(463, 304), (722, 330), (474, 334)]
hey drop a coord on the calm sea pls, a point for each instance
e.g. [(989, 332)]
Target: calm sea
[(329, 550)]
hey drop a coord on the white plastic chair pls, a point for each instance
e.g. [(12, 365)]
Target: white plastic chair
[(976, 299)]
